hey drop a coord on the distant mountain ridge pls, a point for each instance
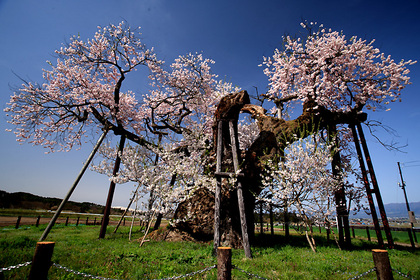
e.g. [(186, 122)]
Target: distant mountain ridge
[(23, 200), (394, 210)]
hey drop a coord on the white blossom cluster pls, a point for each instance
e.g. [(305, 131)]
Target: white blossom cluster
[(304, 180)]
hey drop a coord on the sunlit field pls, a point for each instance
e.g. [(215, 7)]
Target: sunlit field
[(274, 257)]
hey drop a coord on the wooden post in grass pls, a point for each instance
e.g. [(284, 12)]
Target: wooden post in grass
[(271, 219), (18, 222), (409, 230), (224, 263), (67, 220), (367, 232), (382, 264), (77, 222), (37, 221), (41, 261)]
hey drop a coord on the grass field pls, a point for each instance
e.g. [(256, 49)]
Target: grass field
[(78, 248)]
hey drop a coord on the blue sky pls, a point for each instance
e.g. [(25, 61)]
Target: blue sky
[(236, 34)]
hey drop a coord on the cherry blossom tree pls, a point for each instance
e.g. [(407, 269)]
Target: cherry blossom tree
[(304, 178), (333, 77), (83, 93)]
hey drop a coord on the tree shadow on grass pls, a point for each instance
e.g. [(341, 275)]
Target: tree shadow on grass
[(299, 240)]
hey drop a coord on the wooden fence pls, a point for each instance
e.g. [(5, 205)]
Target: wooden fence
[(36, 221)]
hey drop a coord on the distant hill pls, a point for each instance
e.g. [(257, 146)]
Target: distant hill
[(22, 200), (395, 210)]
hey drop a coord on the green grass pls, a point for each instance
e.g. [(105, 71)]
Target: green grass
[(116, 257)]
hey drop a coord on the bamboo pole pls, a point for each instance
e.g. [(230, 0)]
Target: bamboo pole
[(126, 209), (73, 187)]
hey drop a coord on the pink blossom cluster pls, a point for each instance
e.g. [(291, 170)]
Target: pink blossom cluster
[(85, 81), (337, 73)]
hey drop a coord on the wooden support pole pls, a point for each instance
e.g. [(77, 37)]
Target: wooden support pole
[(286, 221), (73, 187), (77, 222), (67, 220), (122, 219), (18, 222), (328, 234), (41, 261), (367, 232), (37, 221), (224, 263), (271, 219), (367, 186), (217, 194), (376, 188), (261, 218), (409, 230), (382, 264), (241, 203)]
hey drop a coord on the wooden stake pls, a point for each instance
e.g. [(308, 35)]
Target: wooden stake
[(382, 264), (224, 263), (18, 222), (41, 261), (367, 233)]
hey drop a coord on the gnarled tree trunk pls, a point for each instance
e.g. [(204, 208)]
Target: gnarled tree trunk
[(195, 216)]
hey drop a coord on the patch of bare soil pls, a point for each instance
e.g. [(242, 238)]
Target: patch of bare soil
[(170, 235)]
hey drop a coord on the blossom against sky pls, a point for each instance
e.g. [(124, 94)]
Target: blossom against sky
[(235, 34)]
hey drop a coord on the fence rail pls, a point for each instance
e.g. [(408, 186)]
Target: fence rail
[(410, 232), (66, 220)]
